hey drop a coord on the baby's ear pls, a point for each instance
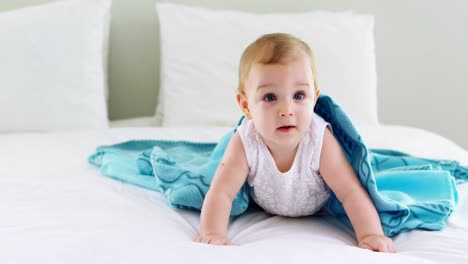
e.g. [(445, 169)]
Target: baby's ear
[(243, 104), (317, 94)]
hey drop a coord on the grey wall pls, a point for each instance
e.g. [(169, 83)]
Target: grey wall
[(421, 51)]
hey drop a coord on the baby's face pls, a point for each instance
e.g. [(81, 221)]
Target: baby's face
[(281, 100)]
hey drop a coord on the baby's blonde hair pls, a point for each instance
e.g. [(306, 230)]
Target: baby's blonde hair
[(272, 49)]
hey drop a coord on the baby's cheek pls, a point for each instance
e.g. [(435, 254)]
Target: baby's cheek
[(263, 125), (306, 118)]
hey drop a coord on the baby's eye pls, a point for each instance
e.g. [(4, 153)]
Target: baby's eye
[(299, 96), (269, 97)]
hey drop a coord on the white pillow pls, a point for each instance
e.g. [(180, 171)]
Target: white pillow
[(52, 73), (201, 49)]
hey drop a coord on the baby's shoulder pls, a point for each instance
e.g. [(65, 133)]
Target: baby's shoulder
[(318, 121), (317, 129), (247, 130)]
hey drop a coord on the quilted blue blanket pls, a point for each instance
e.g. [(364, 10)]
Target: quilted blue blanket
[(408, 192)]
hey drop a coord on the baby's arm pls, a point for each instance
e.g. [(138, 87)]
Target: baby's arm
[(340, 177), (229, 178)]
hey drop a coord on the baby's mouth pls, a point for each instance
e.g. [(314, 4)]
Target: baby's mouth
[(286, 128)]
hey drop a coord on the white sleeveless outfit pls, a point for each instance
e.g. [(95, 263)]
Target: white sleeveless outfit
[(300, 191)]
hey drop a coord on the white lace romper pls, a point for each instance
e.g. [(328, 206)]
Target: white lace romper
[(298, 192)]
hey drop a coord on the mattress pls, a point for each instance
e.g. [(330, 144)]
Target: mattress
[(57, 208)]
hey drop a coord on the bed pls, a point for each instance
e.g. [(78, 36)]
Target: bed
[(57, 208)]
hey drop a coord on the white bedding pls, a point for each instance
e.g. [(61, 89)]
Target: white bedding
[(56, 208)]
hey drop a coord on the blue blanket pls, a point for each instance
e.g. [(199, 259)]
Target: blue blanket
[(408, 192)]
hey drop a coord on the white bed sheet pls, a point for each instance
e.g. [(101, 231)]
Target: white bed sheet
[(56, 208)]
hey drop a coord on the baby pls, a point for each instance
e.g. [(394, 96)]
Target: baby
[(286, 152)]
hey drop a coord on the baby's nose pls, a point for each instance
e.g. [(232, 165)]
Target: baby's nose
[(286, 110), (284, 114)]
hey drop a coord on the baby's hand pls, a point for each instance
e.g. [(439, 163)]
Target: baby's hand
[(378, 243), (213, 240)]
